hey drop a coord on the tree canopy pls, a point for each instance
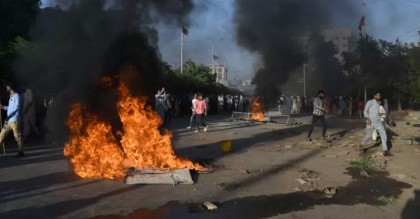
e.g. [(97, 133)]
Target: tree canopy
[(194, 78), (390, 67)]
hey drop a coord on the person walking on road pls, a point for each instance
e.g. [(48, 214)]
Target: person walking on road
[(201, 111), (13, 119), (319, 114), (373, 122), (193, 114)]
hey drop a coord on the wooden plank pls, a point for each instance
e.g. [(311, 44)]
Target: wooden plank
[(181, 176)]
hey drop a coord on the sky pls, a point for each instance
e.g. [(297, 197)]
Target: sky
[(212, 20)]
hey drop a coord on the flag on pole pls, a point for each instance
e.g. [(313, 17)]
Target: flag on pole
[(361, 23), (215, 57), (185, 31)]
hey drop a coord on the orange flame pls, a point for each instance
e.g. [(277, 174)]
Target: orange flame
[(94, 151), (257, 109)]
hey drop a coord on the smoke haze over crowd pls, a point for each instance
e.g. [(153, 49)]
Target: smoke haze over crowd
[(74, 46), (271, 28)]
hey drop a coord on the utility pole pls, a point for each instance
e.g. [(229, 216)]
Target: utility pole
[(304, 69), (365, 31), (304, 79), (365, 16), (418, 44), (212, 55), (182, 49)]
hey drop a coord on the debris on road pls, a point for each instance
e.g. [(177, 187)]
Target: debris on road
[(288, 147), (249, 171), (302, 181), (145, 176), (210, 206), (343, 153), (330, 192)]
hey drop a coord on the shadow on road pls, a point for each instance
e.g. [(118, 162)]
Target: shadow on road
[(359, 191), (56, 210), (412, 207)]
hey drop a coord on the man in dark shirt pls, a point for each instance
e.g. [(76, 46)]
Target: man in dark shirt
[(319, 114)]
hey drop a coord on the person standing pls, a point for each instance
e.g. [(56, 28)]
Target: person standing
[(386, 106), (298, 104), (220, 103), (360, 107), (193, 114), (245, 104), (373, 122), (319, 114), (160, 99), (280, 104), (29, 121), (342, 106), (167, 109), (383, 118), (351, 103), (201, 111), (206, 99), (12, 121)]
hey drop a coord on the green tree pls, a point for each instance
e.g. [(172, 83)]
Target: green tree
[(7, 56), (194, 78), (324, 70), (200, 72), (378, 64), (16, 17), (414, 73)]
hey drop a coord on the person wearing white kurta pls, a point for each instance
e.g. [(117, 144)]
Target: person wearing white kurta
[(383, 116), (373, 121)]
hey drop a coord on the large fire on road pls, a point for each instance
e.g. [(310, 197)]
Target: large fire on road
[(95, 152), (257, 109)]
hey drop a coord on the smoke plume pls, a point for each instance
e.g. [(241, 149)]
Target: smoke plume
[(273, 29), (73, 46)]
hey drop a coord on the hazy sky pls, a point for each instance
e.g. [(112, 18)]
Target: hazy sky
[(213, 19)]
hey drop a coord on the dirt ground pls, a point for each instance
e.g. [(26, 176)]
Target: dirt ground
[(272, 172)]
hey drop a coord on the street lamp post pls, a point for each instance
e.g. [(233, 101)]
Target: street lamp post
[(304, 79), (212, 55)]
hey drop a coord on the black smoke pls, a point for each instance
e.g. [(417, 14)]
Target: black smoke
[(79, 41), (273, 30)]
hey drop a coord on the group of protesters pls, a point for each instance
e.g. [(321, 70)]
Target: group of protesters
[(374, 113), (343, 106), (168, 106)]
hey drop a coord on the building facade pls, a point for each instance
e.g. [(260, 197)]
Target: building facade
[(340, 36), (221, 73)]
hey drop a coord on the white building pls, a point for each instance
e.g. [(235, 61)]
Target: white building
[(340, 36), (246, 83), (221, 73)]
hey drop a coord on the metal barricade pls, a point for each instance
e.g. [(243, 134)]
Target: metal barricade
[(270, 116)]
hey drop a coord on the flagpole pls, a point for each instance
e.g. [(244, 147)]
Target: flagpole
[(365, 30), (365, 15), (182, 49), (212, 56)]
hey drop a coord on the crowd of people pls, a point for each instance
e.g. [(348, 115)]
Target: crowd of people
[(344, 106), (375, 111), (168, 106)]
